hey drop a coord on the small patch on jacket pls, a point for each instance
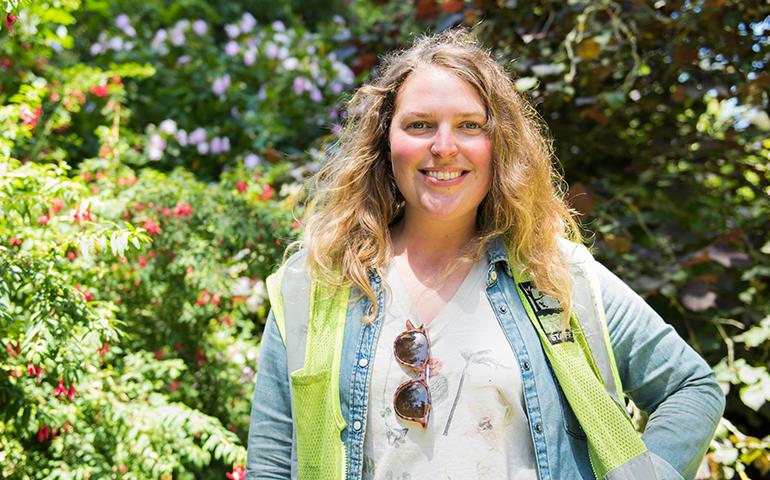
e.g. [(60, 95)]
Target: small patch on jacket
[(547, 310)]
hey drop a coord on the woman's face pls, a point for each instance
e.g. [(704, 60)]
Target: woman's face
[(441, 156)]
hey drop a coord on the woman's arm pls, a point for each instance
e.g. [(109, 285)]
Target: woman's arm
[(663, 376), (270, 429)]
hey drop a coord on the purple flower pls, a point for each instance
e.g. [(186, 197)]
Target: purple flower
[(167, 126), (251, 161), (181, 137), (232, 48), (216, 145), (182, 59), (248, 22), (220, 85), (315, 94), (96, 49), (290, 63), (177, 36), (250, 56), (271, 50), (197, 136), (115, 43), (278, 26), (155, 147), (199, 27), (300, 84), (225, 144), (203, 148), (130, 31), (232, 31), (122, 21)]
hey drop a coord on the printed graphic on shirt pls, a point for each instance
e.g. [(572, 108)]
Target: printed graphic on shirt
[(547, 310)]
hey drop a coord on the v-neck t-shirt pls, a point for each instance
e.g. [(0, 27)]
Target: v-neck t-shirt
[(478, 426)]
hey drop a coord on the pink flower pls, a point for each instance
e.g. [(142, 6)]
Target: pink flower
[(241, 186), (100, 90), (28, 117), (60, 389), (43, 433), (182, 209), (43, 219), (152, 228), (56, 205), (238, 473), (267, 192), (9, 19)]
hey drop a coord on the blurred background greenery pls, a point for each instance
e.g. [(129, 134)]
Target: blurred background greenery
[(151, 161)]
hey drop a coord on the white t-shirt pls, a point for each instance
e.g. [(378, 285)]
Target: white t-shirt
[(478, 426)]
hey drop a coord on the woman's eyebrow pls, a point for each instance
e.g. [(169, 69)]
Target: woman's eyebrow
[(428, 115)]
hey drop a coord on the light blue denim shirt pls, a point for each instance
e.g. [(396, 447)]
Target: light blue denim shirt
[(659, 372)]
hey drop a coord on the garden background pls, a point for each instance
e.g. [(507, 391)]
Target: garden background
[(151, 161)]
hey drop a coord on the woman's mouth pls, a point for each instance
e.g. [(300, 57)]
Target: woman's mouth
[(443, 175)]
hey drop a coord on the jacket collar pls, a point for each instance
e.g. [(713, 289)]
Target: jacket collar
[(496, 252)]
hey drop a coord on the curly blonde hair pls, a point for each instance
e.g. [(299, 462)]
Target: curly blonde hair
[(354, 200)]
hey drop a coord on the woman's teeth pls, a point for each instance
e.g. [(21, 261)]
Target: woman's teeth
[(443, 175)]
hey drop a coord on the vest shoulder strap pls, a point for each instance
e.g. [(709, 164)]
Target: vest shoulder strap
[(589, 309)]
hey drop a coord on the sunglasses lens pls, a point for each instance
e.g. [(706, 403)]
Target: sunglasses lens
[(411, 348), (412, 400)]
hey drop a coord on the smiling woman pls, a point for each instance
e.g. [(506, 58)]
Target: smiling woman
[(441, 318)]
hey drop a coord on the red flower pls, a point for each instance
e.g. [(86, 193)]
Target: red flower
[(56, 205), (152, 228), (103, 349), (295, 224), (174, 386), (60, 389), (100, 90), (267, 192), (71, 256), (28, 117), (9, 19), (78, 215), (166, 211), (238, 473), (142, 261), (43, 219), (13, 241), (182, 209), (200, 358), (10, 349), (241, 186), (71, 393), (43, 433), (215, 299), (55, 97)]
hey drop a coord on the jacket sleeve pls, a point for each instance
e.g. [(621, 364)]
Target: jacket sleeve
[(664, 377), (270, 428)]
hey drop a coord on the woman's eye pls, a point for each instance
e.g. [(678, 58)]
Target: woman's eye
[(418, 125), (471, 125)]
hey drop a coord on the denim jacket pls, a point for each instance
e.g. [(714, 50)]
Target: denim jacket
[(659, 372)]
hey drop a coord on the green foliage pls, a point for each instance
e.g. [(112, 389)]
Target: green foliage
[(150, 161)]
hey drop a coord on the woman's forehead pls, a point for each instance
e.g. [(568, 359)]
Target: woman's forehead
[(433, 89)]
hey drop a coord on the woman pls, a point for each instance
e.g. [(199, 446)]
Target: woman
[(437, 323)]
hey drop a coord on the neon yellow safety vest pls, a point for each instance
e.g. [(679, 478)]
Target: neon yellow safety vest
[(581, 359)]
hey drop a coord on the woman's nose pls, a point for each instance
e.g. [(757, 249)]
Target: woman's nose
[(444, 143)]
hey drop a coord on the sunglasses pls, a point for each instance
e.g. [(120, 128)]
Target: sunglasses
[(412, 398)]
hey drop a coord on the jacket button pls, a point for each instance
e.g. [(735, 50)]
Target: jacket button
[(363, 362), (503, 309), (538, 428), (492, 278), (526, 365), (357, 425)]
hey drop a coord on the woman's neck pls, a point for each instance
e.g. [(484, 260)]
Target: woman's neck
[(431, 242)]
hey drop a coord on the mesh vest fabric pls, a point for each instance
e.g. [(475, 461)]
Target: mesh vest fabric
[(612, 439), (315, 393)]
